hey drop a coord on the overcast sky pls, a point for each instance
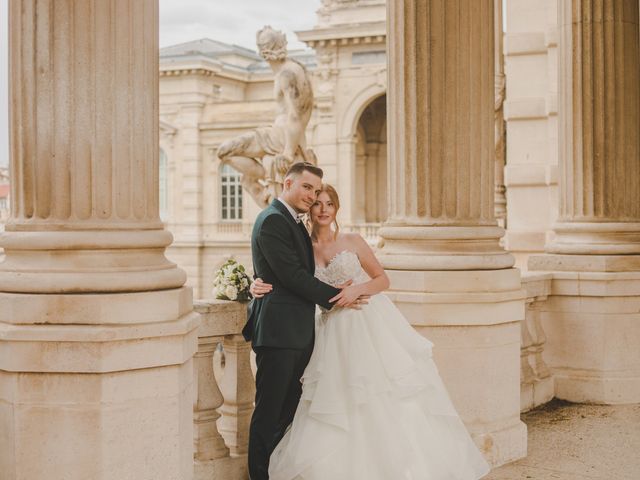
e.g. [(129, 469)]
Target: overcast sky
[(230, 21)]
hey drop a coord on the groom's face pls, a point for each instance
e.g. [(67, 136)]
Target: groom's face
[(301, 191)]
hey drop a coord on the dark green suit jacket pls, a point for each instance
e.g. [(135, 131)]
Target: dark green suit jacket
[(283, 256)]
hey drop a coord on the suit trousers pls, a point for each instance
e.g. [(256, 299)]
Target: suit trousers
[(278, 390)]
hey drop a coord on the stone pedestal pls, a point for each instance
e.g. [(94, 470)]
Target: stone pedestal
[(449, 274), (592, 320), (97, 332)]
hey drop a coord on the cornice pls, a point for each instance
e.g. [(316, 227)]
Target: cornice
[(365, 33)]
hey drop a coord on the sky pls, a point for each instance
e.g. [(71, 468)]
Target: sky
[(230, 21)]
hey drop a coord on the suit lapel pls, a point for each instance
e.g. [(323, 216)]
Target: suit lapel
[(303, 237)]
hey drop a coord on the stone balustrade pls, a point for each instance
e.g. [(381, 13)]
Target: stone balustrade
[(368, 231), (223, 400), (536, 380)]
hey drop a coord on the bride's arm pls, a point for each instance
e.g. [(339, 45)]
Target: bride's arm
[(379, 280)]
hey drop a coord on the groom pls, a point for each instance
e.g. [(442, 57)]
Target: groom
[(281, 324)]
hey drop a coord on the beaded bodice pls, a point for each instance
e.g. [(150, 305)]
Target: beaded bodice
[(344, 266)]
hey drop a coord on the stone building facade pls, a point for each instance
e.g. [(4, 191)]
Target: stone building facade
[(211, 91)]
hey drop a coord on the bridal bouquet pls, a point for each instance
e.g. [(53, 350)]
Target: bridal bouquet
[(232, 282)]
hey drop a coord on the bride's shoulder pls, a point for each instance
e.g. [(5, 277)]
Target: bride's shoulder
[(351, 240), (347, 237)]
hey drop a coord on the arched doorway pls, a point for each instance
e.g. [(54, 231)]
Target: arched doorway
[(371, 167)]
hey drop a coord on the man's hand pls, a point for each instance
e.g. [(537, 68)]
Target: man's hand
[(259, 288), (350, 296)]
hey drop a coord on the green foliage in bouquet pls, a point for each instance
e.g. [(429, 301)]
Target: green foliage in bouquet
[(232, 282)]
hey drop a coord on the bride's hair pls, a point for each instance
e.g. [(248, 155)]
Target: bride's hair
[(335, 199)]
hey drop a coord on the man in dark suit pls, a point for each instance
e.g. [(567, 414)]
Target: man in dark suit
[(281, 324)]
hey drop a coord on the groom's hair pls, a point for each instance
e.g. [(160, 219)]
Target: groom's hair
[(299, 167)]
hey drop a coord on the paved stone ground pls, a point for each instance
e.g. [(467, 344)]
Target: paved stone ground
[(573, 441)]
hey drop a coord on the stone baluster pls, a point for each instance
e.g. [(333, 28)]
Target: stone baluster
[(208, 443), (238, 388)]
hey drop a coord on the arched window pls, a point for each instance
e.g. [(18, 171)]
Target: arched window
[(164, 186), (230, 194)]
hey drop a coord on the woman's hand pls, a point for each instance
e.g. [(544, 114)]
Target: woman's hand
[(259, 288)]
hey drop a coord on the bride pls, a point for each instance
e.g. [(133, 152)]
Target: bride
[(373, 406)]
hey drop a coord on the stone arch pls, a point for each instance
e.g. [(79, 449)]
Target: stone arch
[(351, 116)]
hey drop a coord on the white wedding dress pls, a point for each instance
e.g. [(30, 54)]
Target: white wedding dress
[(373, 405)]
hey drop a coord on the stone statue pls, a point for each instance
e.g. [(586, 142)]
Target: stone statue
[(264, 155)]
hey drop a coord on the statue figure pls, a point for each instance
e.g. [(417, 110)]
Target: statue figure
[(264, 155)]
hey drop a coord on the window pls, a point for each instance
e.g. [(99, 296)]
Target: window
[(230, 193), (164, 186)]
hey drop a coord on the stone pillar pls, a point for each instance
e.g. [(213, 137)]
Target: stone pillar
[(449, 275), (97, 332), (592, 344), (499, 199), (599, 95)]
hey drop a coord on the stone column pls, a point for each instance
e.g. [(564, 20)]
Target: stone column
[(599, 120), (592, 344), (97, 332), (449, 275), (499, 199)]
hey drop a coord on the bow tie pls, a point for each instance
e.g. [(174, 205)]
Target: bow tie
[(299, 217)]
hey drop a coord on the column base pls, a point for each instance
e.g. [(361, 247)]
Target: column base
[(103, 401), (536, 393), (473, 318), (435, 247), (87, 261), (597, 387), (232, 468), (596, 238), (503, 445), (592, 324)]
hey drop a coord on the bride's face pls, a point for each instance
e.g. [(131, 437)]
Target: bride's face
[(323, 211)]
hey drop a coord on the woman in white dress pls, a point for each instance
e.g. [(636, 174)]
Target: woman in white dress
[(373, 406)]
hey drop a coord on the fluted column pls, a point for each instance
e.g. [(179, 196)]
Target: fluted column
[(441, 118), (599, 121), (499, 199), (84, 142), (592, 334), (449, 276), (97, 331)]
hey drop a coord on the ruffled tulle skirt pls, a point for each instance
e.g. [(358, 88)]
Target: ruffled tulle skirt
[(374, 407)]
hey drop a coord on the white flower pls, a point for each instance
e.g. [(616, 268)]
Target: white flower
[(231, 292), (244, 282)]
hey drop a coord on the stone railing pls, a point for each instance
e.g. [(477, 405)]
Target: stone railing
[(368, 231), (224, 392), (536, 381), (233, 228)]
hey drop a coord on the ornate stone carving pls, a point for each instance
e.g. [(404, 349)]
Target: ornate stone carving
[(264, 155), (326, 74), (500, 200)]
